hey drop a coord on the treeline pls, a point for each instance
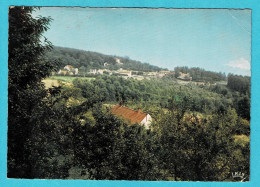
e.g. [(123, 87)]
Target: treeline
[(240, 83), (92, 60), (157, 93), (199, 74)]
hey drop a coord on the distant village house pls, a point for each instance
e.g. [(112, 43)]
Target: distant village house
[(99, 71), (118, 61), (68, 70), (106, 64), (125, 72), (184, 76), (163, 73)]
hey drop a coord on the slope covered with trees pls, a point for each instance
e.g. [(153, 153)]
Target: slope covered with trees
[(199, 74), (240, 83), (198, 133), (93, 60)]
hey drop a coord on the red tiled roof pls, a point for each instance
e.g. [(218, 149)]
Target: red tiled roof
[(129, 114)]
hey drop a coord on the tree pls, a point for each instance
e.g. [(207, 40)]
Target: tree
[(107, 148), (26, 109), (244, 107), (239, 83), (200, 149)]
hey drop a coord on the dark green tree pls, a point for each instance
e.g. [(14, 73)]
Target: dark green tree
[(26, 109)]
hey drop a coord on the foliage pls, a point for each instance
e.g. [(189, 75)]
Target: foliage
[(153, 93), (200, 150), (86, 60), (239, 83), (109, 149), (199, 74), (27, 68)]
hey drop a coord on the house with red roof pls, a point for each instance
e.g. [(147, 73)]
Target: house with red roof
[(132, 116)]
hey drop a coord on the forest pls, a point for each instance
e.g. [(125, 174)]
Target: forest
[(199, 74), (199, 132), (92, 60)]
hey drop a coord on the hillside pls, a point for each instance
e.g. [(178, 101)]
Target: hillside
[(93, 60), (198, 74)]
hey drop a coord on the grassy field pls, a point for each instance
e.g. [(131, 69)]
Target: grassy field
[(69, 79), (50, 82), (54, 80)]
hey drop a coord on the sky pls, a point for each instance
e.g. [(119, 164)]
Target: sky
[(213, 39)]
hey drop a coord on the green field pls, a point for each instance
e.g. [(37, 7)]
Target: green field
[(69, 79)]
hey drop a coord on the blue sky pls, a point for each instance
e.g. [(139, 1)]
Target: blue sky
[(213, 39)]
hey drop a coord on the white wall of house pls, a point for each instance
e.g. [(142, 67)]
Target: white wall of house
[(76, 71), (147, 121), (118, 61), (67, 67), (93, 71)]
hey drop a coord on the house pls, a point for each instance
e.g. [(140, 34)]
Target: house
[(68, 70), (125, 72), (184, 76), (152, 73), (76, 71), (118, 61), (163, 73), (93, 71), (69, 67), (132, 116), (62, 72)]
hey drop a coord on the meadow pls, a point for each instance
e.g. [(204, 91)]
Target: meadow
[(69, 79)]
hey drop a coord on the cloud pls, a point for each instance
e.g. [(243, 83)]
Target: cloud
[(240, 63)]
